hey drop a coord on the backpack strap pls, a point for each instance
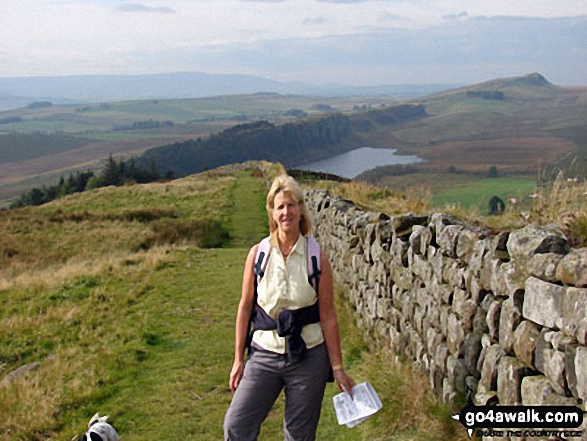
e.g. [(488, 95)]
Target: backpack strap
[(313, 263), (261, 260)]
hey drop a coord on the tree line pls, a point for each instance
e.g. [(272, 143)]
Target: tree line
[(113, 173), (290, 143)]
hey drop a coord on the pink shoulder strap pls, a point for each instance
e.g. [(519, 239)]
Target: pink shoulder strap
[(261, 258), (313, 262)]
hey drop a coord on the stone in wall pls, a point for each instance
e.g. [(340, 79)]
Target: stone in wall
[(509, 319), (536, 390), (455, 334), (384, 308), (432, 319), (541, 345), (439, 221), (543, 303), (509, 378), (475, 288), (441, 291), (574, 313), (479, 322), (576, 370), (465, 308), (402, 225), (466, 250), (581, 373), (471, 353), (525, 337), (493, 318), (544, 266), (485, 345), (457, 373), (421, 267), (420, 239), (572, 269), (554, 370), (399, 252), (456, 274), (447, 239), (489, 370), (523, 244), (505, 281), (436, 260), (479, 253), (486, 273)]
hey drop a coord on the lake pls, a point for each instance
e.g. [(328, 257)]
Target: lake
[(355, 162)]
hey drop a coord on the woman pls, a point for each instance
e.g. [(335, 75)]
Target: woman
[(273, 365)]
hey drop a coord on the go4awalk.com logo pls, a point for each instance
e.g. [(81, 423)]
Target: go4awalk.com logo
[(522, 421)]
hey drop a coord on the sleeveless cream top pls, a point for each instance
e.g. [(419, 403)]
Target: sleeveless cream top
[(285, 286)]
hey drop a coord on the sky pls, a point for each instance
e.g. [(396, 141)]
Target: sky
[(359, 42)]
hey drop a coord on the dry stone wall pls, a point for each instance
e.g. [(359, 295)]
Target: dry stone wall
[(502, 318)]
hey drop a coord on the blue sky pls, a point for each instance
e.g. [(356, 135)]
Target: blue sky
[(362, 42)]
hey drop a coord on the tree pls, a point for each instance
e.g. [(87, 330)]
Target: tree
[(111, 173), (492, 172)]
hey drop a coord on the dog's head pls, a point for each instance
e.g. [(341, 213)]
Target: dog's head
[(99, 430)]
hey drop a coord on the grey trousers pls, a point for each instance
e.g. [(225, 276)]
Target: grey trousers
[(265, 375)]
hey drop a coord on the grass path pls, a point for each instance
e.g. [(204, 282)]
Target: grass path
[(248, 217)]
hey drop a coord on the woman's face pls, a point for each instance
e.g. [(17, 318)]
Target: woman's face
[(286, 213)]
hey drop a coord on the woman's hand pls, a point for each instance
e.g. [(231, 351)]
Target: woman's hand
[(236, 374), (344, 381)]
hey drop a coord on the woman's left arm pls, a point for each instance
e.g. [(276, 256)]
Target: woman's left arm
[(329, 324)]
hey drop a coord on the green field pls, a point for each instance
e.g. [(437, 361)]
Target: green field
[(477, 193)]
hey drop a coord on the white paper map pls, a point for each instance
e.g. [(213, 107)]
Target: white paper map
[(352, 411)]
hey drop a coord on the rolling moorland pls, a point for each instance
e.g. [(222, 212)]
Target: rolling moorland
[(125, 306), (524, 126)]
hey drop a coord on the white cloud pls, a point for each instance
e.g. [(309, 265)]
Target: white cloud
[(390, 17), (275, 38), (139, 7), (315, 20), (460, 16)]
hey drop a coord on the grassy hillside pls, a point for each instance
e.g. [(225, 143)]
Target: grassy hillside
[(126, 298)]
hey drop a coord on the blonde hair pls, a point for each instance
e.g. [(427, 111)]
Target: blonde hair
[(288, 185)]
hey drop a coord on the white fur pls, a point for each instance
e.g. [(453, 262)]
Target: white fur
[(99, 426)]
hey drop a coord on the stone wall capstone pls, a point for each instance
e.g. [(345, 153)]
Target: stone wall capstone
[(502, 318)]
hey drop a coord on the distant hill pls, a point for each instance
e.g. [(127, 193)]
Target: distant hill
[(528, 86), (522, 125), (17, 92)]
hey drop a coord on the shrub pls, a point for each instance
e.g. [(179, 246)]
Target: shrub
[(205, 233), (492, 172)]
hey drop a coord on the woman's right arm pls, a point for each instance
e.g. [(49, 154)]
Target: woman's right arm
[(242, 320)]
